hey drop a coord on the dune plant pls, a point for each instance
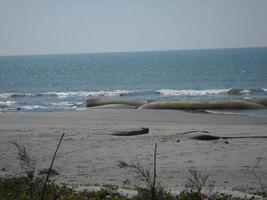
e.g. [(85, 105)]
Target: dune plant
[(50, 168), (32, 185), (197, 180), (27, 163), (153, 190), (259, 176)]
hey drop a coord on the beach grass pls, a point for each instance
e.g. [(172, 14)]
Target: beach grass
[(16, 188), (30, 186)]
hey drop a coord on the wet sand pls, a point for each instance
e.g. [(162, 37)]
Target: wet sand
[(89, 154)]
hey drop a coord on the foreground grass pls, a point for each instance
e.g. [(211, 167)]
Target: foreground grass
[(40, 187), (18, 188)]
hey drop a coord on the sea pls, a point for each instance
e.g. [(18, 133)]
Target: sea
[(49, 83)]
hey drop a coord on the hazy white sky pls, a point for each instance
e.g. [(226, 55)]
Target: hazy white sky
[(77, 26)]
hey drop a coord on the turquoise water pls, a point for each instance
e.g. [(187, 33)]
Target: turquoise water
[(64, 82)]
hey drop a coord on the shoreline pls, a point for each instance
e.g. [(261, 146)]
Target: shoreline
[(90, 154)]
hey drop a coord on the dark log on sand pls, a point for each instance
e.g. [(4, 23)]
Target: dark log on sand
[(132, 132), (45, 171), (206, 137)]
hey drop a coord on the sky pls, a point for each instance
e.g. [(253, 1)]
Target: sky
[(84, 26)]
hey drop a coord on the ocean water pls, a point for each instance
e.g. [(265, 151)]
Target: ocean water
[(64, 82)]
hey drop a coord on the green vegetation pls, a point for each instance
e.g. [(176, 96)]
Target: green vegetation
[(17, 188), (31, 187)]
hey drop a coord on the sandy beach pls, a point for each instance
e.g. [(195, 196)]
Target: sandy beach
[(90, 155)]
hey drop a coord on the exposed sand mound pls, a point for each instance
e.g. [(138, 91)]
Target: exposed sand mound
[(115, 106), (204, 104), (106, 101)]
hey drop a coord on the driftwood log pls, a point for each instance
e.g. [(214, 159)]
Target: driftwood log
[(213, 137), (132, 132), (53, 172)]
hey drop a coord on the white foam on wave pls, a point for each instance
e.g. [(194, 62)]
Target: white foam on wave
[(31, 107), (93, 94), (5, 95), (244, 91), (106, 93), (7, 103), (67, 94), (63, 104), (14, 95), (224, 112), (264, 89), (169, 92)]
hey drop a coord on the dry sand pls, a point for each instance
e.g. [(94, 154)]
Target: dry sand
[(90, 155)]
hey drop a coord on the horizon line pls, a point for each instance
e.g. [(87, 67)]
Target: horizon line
[(131, 51)]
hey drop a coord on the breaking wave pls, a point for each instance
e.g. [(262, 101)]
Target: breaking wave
[(67, 94), (33, 107), (5, 104), (193, 92), (168, 92), (63, 104), (219, 112), (116, 93), (8, 103), (68, 101)]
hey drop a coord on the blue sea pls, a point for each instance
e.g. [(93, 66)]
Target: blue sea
[(50, 83)]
